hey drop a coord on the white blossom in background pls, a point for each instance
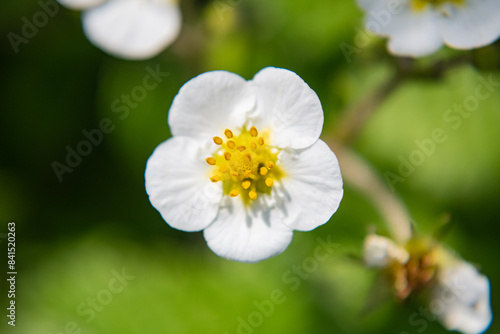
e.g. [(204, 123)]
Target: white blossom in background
[(129, 29), (380, 251), (462, 297), (245, 163), (420, 27), (459, 294)]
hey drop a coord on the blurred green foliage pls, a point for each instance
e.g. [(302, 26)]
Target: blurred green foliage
[(72, 234)]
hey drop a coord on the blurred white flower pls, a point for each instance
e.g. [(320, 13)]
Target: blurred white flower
[(129, 29), (420, 27), (380, 251), (245, 163), (462, 299)]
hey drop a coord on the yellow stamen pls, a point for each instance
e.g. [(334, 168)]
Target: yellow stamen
[(218, 140), (269, 182), (247, 173), (246, 184), (234, 193), (210, 161), (227, 156), (223, 169), (270, 164), (253, 131), (231, 144), (252, 194), (261, 141), (228, 133), (233, 173), (263, 170), (241, 148), (215, 178), (253, 145)]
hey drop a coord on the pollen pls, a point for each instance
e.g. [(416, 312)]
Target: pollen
[(269, 182), (245, 163), (253, 131), (228, 133)]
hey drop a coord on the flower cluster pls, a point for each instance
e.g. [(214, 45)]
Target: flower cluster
[(245, 163), (129, 29), (420, 27), (459, 295)]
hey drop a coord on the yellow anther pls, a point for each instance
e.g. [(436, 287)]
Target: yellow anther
[(241, 148), (223, 169), (252, 194), (231, 144), (253, 145), (228, 133), (247, 173), (246, 184), (269, 182), (227, 156), (253, 131), (234, 193), (210, 161), (233, 173), (218, 140), (249, 157), (263, 170), (270, 164), (261, 141), (215, 178)]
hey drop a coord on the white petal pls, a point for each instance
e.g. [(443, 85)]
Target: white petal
[(133, 29), (462, 299), (247, 235), (80, 4), (311, 190), (380, 251), (414, 34), (472, 25), (178, 185), (287, 105), (209, 103)]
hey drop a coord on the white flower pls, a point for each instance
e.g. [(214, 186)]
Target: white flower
[(420, 27), (461, 299), (245, 163), (380, 251), (129, 29)]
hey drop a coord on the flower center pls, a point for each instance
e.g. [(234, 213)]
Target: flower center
[(419, 5), (245, 164)]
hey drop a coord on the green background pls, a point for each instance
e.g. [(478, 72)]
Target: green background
[(71, 235)]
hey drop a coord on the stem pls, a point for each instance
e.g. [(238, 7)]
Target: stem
[(361, 176)]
